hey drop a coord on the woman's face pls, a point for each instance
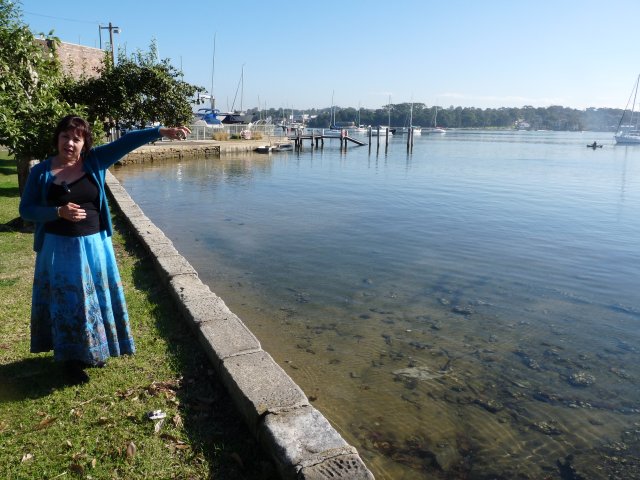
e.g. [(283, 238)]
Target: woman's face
[(70, 145)]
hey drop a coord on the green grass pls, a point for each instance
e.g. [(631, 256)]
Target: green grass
[(98, 430)]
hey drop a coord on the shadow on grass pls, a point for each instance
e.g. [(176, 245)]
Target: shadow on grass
[(9, 192), (211, 421), (32, 378), (16, 225), (8, 166)]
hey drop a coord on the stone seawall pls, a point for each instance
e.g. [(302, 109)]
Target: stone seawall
[(167, 149), (301, 441)]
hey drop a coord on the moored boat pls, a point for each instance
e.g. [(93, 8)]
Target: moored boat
[(382, 130), (629, 132), (283, 147), (435, 128), (263, 149)]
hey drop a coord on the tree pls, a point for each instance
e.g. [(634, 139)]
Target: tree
[(138, 91), (30, 81)]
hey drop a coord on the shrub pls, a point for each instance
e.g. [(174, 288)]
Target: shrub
[(221, 136)]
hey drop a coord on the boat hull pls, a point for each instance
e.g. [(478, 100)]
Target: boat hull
[(434, 130), (627, 139)]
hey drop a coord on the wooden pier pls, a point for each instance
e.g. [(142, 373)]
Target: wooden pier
[(318, 139)]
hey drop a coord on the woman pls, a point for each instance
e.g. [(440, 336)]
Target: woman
[(78, 308)]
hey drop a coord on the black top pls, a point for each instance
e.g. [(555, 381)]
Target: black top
[(83, 192)]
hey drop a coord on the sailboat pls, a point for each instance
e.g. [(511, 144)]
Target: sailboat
[(417, 130), (384, 130), (435, 128), (360, 128), (235, 116), (629, 133)]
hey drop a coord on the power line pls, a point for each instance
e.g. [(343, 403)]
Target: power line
[(61, 18)]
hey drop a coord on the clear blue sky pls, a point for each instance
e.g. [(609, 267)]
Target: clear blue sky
[(478, 53)]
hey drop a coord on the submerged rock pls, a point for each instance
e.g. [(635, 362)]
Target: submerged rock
[(581, 379), (462, 310), (419, 373)]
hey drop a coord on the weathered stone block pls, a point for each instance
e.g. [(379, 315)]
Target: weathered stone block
[(171, 265), (348, 467), (226, 337), (163, 249), (148, 233), (185, 288), (259, 385), (298, 434), (305, 445)]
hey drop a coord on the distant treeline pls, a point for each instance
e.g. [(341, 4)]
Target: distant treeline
[(547, 118)]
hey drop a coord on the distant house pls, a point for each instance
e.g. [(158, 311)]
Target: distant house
[(77, 60), (522, 125)]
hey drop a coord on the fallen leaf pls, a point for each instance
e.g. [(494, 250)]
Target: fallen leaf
[(77, 413), (177, 421), (125, 393), (93, 463), (27, 457), (69, 444), (45, 422), (76, 468), (158, 426), (131, 451), (103, 421), (78, 456), (169, 437)]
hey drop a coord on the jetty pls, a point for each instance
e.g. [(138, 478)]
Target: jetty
[(318, 137)]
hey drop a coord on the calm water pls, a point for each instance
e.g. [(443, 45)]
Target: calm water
[(470, 310)]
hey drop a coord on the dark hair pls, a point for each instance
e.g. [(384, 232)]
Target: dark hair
[(73, 122)]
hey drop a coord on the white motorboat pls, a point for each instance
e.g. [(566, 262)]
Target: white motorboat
[(382, 130)]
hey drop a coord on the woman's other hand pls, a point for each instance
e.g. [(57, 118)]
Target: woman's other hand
[(72, 212)]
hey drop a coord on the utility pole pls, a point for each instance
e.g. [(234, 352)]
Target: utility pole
[(112, 29)]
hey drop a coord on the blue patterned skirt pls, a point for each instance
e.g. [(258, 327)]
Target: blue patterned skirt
[(78, 308)]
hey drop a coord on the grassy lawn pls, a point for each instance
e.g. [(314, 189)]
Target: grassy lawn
[(99, 430)]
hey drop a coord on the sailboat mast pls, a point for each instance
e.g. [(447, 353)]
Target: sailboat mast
[(213, 69), (633, 107), (332, 119), (634, 93)]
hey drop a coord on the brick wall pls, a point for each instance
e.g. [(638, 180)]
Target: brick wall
[(78, 60)]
